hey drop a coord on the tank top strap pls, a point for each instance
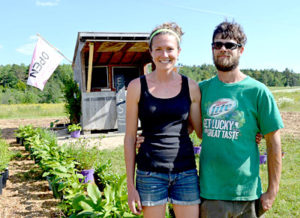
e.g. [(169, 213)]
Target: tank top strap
[(185, 86), (144, 86)]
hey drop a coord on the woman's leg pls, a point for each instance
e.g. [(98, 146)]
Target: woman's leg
[(186, 211), (158, 211)]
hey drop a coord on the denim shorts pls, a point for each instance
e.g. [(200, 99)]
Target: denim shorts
[(159, 188)]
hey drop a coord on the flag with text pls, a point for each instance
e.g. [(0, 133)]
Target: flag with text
[(44, 61)]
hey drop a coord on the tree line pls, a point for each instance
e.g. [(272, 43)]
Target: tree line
[(286, 78), (13, 78), (14, 90)]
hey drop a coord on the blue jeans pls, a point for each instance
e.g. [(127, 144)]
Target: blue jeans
[(159, 188)]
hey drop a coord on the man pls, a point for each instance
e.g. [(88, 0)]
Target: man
[(234, 108)]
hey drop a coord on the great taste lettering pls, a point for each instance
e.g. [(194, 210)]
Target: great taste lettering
[(221, 123), (226, 129)]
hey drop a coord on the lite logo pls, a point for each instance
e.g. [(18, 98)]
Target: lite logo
[(221, 107)]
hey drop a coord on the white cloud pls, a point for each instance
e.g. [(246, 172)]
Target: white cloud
[(47, 3), (1, 46), (33, 37), (27, 49)]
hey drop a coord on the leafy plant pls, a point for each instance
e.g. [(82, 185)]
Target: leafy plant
[(53, 123), (74, 127), (84, 155), (24, 131), (72, 96), (104, 175), (195, 140), (113, 202), (116, 199)]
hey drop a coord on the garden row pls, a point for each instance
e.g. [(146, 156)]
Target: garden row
[(101, 194)]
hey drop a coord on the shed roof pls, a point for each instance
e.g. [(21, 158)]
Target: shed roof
[(115, 47)]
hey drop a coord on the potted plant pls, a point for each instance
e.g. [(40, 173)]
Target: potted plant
[(263, 158), (85, 158), (197, 149), (104, 175), (196, 142), (74, 129), (262, 153)]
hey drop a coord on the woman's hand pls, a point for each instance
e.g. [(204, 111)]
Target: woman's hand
[(134, 201)]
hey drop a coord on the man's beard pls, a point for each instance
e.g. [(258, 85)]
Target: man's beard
[(227, 64)]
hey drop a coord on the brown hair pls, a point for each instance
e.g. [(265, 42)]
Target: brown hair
[(230, 30), (170, 26)]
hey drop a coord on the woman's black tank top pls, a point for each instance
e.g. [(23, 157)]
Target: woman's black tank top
[(167, 146)]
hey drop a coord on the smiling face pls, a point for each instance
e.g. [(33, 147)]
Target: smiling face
[(165, 51), (226, 59)]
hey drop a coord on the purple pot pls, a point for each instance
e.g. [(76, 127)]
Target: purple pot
[(75, 134), (263, 159), (197, 150), (88, 176)]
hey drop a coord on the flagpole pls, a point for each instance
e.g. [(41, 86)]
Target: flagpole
[(54, 48)]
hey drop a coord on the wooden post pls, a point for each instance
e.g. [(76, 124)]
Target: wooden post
[(90, 67), (110, 78)]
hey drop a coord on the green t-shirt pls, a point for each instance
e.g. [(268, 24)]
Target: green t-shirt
[(232, 114)]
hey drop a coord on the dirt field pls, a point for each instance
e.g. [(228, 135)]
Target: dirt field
[(27, 196)]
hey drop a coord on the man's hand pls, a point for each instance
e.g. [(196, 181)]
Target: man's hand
[(274, 168), (134, 201), (139, 141), (258, 138), (267, 200)]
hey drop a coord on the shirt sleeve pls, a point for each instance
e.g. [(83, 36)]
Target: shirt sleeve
[(269, 118)]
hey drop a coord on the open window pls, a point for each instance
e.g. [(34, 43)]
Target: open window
[(129, 73), (99, 78)]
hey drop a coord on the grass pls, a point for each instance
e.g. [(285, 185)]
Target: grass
[(287, 98), (117, 159), (15, 111), (275, 88), (288, 101), (287, 203)]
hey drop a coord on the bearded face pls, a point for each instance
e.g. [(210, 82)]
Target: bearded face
[(226, 54), (225, 61)]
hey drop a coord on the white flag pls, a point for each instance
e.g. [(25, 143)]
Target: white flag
[(44, 61)]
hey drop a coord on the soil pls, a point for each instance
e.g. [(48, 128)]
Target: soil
[(27, 194)]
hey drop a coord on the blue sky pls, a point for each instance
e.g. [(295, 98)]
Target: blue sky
[(272, 27)]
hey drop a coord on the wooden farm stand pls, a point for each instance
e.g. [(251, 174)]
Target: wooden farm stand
[(104, 63)]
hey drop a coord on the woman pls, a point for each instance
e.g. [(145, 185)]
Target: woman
[(165, 102)]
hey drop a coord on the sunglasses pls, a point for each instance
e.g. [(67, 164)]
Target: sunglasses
[(228, 45)]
